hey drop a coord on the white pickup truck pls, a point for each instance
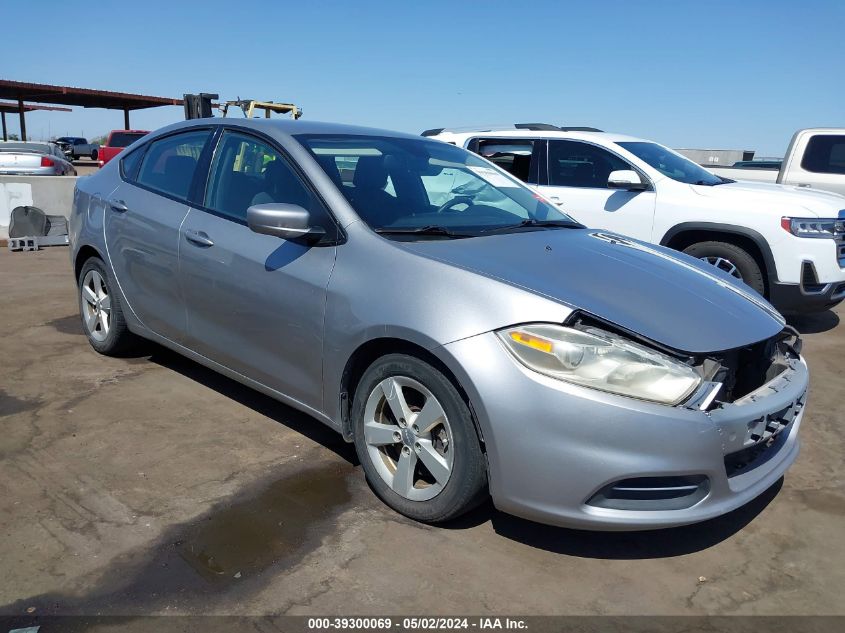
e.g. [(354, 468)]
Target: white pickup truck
[(788, 243), (815, 159)]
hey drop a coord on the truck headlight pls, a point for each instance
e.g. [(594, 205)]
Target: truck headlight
[(814, 227), (601, 360)]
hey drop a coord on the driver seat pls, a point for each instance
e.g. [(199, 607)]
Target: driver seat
[(371, 201)]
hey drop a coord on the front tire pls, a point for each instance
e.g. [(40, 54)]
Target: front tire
[(732, 259), (416, 440), (101, 312)]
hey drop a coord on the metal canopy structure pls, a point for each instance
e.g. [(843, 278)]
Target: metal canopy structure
[(20, 91), (27, 107)]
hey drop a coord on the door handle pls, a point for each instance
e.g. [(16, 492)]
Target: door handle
[(556, 200), (199, 238), (118, 205)]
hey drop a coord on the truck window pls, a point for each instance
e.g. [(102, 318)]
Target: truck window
[(512, 155), (825, 154), (576, 164), (123, 139)]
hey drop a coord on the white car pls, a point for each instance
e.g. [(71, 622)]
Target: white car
[(787, 243)]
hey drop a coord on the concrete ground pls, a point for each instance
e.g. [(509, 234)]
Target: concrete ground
[(152, 485)]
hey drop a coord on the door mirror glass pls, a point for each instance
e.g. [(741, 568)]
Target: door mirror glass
[(626, 179), (288, 221)]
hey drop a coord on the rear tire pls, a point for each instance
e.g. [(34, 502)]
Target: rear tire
[(732, 259), (425, 463), (101, 311), (94, 155)]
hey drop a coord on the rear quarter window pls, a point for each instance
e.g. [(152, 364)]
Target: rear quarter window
[(825, 154)]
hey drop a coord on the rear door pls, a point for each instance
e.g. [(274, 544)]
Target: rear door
[(577, 183), (521, 157), (142, 224), (256, 302)]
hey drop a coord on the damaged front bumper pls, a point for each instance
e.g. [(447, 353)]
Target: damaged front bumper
[(576, 457)]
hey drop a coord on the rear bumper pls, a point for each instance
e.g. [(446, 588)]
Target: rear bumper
[(554, 449)]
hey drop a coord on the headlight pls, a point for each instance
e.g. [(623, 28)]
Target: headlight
[(601, 360), (814, 227)]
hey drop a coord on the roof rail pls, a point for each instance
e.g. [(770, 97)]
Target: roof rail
[(579, 129), (538, 127), (535, 127)]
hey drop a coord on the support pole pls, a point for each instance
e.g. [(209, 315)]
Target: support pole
[(125, 118), (5, 135), (23, 119)]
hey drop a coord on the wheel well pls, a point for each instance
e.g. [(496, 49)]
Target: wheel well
[(85, 253), (371, 351), (685, 239)]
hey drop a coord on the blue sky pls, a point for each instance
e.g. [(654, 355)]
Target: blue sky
[(697, 73)]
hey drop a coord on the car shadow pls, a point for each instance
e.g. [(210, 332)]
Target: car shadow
[(814, 323), (663, 543), (281, 413)]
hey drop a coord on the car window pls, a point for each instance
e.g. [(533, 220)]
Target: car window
[(129, 163), (576, 164), (170, 162), (248, 171), (825, 154), (671, 164), (512, 155), (432, 183)]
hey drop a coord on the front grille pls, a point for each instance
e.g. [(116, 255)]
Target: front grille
[(764, 438)]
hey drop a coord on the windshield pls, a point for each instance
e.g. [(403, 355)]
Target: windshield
[(671, 164), (122, 139), (416, 186)]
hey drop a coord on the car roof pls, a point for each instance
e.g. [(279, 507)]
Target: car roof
[(290, 127), (509, 133)]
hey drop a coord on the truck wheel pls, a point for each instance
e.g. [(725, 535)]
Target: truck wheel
[(731, 259), (416, 440), (94, 155)]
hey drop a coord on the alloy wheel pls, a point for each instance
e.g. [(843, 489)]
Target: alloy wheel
[(725, 265), (96, 305), (408, 437)]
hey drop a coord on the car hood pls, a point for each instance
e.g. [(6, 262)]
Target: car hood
[(808, 201), (665, 296)]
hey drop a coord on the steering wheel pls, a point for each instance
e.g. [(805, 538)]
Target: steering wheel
[(467, 200)]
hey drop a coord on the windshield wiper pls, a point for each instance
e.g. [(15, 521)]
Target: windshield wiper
[(429, 229), (531, 222)]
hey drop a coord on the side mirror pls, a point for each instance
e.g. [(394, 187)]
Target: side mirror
[(288, 221), (626, 179)]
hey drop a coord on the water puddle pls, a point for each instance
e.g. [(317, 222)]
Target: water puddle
[(239, 540), (67, 325), (10, 405)]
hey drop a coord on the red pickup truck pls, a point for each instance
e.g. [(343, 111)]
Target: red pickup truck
[(118, 139)]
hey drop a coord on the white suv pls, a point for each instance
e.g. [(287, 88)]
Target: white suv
[(785, 242)]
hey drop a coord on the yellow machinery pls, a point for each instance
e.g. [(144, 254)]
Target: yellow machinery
[(249, 106)]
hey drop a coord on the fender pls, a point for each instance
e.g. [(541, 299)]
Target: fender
[(715, 227)]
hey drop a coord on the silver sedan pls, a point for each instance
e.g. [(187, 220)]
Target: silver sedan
[(20, 158), (465, 334)]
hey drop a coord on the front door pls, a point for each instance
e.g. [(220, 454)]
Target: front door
[(143, 218), (256, 302), (577, 183)]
